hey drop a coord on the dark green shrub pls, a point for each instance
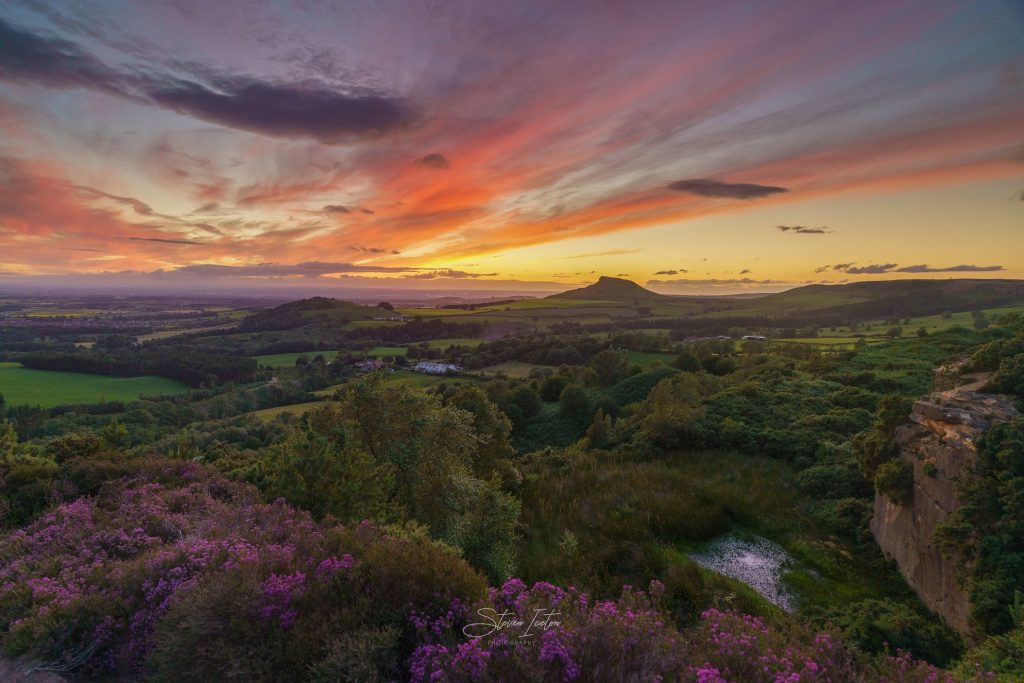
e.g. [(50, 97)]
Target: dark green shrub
[(895, 479)]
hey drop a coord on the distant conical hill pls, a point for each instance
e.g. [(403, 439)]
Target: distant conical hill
[(612, 289)]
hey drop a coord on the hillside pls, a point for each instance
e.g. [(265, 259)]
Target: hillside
[(306, 311), (613, 289), (887, 297)]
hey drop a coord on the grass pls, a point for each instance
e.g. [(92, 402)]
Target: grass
[(512, 368), (23, 386), (611, 503), (164, 334), (644, 358), (633, 520), (419, 379), (268, 414), (386, 351)]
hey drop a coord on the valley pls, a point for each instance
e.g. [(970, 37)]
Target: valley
[(601, 438)]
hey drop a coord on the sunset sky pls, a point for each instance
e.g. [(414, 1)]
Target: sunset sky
[(697, 147)]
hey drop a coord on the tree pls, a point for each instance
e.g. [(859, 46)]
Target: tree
[(527, 399), (114, 434), (445, 461), (687, 362), (8, 440), (574, 403), (877, 446), (610, 367), (551, 389), (671, 411), (599, 434), (386, 306), (317, 474), (895, 479), (894, 332)]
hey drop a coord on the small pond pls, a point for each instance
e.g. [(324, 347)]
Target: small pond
[(756, 561)]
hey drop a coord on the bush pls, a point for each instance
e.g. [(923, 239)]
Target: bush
[(630, 639), (1010, 376), (552, 388), (895, 479), (574, 404), (200, 580), (883, 625), (687, 362)]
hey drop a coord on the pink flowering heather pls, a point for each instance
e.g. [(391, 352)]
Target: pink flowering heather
[(630, 639), (115, 564), (550, 634)]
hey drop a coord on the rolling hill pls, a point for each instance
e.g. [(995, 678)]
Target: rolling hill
[(885, 297), (308, 311), (613, 289)]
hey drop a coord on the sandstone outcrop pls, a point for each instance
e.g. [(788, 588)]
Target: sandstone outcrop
[(939, 441)]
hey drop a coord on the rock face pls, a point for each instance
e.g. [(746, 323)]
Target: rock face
[(939, 441)]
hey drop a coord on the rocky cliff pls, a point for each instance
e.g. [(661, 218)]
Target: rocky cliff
[(939, 441)]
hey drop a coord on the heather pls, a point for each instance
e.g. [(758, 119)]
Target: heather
[(174, 573), (182, 582), (546, 633)]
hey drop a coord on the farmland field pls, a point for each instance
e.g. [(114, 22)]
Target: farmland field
[(512, 368), (386, 351), (22, 386), (268, 414), (643, 358)]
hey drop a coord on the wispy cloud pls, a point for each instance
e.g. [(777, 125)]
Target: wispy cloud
[(705, 187), (598, 254), (307, 110), (880, 268), (447, 273), (162, 240), (716, 281), (802, 230), (308, 269)]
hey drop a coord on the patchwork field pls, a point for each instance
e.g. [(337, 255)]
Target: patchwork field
[(268, 414), (644, 358), (22, 386)]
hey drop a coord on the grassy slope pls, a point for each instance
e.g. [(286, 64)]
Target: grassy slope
[(22, 386), (634, 519)]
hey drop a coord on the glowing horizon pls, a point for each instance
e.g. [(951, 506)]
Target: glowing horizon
[(691, 147)]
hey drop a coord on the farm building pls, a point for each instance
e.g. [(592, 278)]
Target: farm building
[(432, 368)]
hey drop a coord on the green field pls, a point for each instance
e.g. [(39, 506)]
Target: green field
[(512, 368), (386, 351), (268, 414), (165, 334), (21, 386)]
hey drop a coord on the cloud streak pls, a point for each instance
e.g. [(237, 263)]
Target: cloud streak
[(802, 230), (705, 187), (715, 282), (881, 268), (307, 110)]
